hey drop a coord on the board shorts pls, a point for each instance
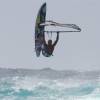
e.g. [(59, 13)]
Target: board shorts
[(45, 51)]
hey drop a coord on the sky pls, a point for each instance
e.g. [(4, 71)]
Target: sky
[(78, 51)]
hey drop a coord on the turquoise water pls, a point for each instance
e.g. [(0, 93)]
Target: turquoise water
[(29, 88)]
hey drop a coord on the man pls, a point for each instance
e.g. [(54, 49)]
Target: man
[(47, 49)]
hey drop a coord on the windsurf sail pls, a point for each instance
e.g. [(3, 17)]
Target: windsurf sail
[(39, 30)]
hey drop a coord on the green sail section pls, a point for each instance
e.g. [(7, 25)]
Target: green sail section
[(40, 19)]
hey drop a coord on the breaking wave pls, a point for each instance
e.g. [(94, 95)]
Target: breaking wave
[(33, 88)]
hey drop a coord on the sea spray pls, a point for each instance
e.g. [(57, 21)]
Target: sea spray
[(22, 85)]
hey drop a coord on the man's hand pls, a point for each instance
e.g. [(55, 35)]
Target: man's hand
[(57, 33)]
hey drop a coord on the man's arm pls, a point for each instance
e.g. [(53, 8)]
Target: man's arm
[(44, 39), (56, 39)]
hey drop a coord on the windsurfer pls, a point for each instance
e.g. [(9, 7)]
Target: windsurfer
[(47, 49)]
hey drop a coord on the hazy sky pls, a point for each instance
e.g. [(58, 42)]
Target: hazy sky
[(74, 50)]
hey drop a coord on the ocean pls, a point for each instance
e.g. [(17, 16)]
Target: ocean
[(48, 84)]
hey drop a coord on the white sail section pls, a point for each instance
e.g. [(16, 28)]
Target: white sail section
[(55, 24)]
